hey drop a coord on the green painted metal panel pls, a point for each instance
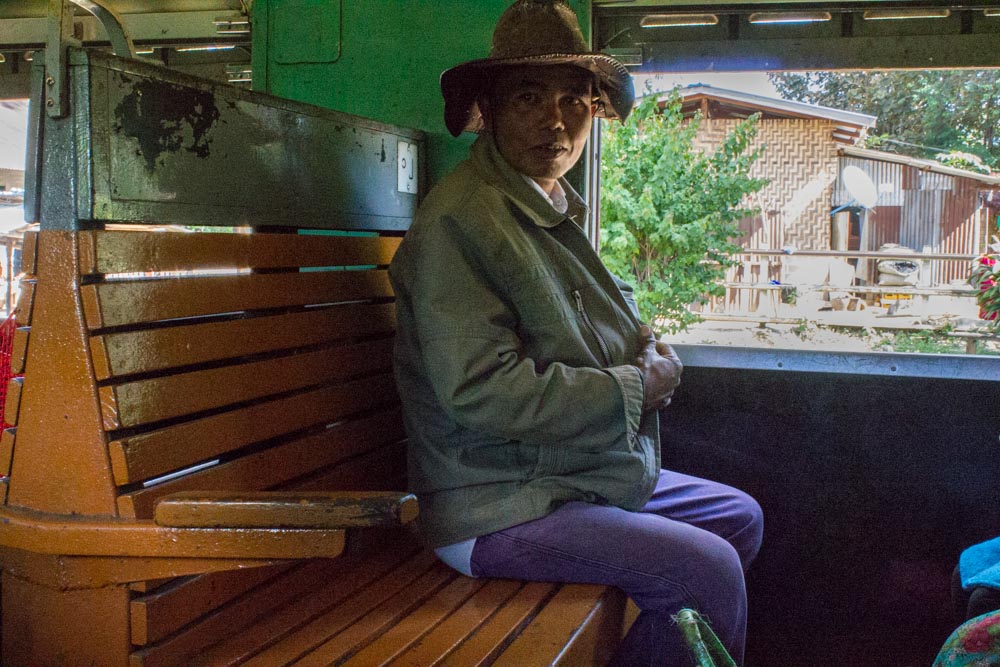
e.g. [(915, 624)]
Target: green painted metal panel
[(391, 58), (307, 31)]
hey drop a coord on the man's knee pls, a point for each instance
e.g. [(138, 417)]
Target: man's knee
[(748, 519)]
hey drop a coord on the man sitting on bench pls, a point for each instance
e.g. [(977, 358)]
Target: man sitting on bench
[(530, 388)]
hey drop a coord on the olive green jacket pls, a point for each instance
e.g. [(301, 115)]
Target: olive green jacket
[(513, 359)]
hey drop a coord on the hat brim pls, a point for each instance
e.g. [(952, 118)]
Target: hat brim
[(462, 85)]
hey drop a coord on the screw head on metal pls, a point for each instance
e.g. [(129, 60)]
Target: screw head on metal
[(50, 102), (50, 81)]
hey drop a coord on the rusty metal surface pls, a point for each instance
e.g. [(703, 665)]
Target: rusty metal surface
[(144, 143)]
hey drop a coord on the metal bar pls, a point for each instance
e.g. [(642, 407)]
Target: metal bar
[(59, 36), (859, 254), (121, 43)]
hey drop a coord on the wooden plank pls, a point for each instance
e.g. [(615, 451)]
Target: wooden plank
[(7, 450), (170, 608), (180, 446), (25, 302), (416, 623), (287, 509), (12, 401), (380, 469), (486, 645), (351, 624), (118, 303), (353, 573), (29, 253), (149, 350), (19, 350), (136, 252), (156, 399), (275, 466), (184, 647), (551, 634), (436, 645)]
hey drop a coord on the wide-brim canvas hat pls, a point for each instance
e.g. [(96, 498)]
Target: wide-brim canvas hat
[(534, 32)]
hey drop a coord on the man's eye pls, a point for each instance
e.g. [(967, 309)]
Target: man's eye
[(527, 97)]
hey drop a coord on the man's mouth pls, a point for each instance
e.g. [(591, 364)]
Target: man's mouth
[(549, 150)]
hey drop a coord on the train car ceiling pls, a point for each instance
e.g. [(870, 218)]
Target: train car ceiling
[(658, 36)]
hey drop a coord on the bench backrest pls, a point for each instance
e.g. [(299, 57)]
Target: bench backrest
[(253, 357)]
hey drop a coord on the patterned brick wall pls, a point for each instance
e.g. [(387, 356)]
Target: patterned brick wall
[(800, 159)]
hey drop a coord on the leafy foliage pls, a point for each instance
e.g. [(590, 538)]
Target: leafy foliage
[(951, 110), (669, 211), (985, 277)]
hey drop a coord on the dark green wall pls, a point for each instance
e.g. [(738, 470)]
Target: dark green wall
[(380, 59)]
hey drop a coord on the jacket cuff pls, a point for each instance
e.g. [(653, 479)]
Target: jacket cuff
[(629, 380)]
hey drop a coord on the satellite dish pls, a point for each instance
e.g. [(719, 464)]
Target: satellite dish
[(861, 188)]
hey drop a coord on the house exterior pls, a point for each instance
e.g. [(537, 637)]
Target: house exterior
[(921, 204)]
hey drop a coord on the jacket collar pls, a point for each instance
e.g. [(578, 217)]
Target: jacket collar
[(495, 170)]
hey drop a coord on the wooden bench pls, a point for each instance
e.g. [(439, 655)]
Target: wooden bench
[(207, 463)]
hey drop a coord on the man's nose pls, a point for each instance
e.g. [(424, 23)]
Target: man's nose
[(552, 115)]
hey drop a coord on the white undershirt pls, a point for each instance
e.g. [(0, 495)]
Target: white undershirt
[(458, 556)]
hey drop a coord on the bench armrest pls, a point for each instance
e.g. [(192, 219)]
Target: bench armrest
[(285, 509)]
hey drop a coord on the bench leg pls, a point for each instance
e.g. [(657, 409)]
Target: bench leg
[(44, 626)]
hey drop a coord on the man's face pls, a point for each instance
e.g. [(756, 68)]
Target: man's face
[(541, 117)]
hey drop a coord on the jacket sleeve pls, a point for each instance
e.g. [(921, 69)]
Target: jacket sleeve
[(471, 350)]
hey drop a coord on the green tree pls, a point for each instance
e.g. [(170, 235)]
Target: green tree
[(952, 110), (669, 212)]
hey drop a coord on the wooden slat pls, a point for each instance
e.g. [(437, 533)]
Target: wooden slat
[(144, 351), (145, 401), (180, 446), (435, 646), (556, 626), (484, 646), (287, 509), (155, 616), (380, 469), (7, 450), (19, 350), (12, 401), (135, 252), (354, 573), (273, 467), (357, 617), (417, 623), (184, 646), (25, 302), (4, 483), (29, 253), (118, 303)]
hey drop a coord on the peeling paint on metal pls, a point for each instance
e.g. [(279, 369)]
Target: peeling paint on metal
[(165, 118)]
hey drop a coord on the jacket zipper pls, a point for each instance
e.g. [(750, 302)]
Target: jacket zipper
[(590, 325)]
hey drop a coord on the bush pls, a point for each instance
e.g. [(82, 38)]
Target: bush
[(669, 212)]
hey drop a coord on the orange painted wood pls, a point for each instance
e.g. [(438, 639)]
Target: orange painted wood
[(353, 573), (286, 509), (382, 468), (135, 252), (185, 646), (149, 350), (12, 401), (118, 303), (19, 350), (436, 645), (271, 467), (416, 623), (158, 614), (29, 253), (156, 399), (573, 615), (7, 450), (180, 446), (25, 307), (489, 641), (47, 626), (344, 622)]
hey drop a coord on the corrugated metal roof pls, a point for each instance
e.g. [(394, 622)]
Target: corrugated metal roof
[(798, 109), (923, 165)]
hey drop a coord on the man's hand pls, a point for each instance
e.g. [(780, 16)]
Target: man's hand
[(661, 370)]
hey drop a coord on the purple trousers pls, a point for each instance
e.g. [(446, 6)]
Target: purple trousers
[(687, 547)]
